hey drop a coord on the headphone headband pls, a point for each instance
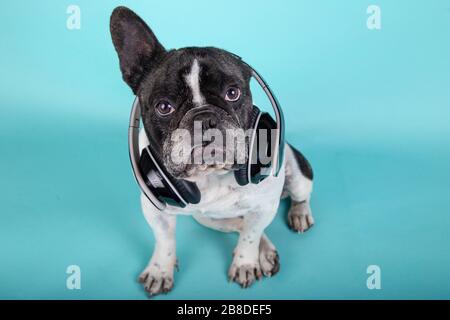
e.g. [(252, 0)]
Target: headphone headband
[(278, 156), (133, 148)]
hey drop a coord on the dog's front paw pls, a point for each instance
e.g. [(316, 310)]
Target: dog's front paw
[(244, 273), (269, 261), (157, 278), (300, 218)]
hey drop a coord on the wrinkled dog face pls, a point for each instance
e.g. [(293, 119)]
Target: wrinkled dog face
[(196, 102)]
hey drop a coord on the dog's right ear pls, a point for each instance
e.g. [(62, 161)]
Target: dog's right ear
[(135, 44)]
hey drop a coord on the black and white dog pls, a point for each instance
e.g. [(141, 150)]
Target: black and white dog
[(171, 86)]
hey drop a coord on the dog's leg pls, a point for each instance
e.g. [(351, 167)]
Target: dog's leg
[(246, 266), (298, 186), (157, 277), (268, 255)]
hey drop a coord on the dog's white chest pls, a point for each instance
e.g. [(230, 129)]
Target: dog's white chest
[(222, 197)]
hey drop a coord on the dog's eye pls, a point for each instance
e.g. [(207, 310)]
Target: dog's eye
[(164, 108), (233, 94)]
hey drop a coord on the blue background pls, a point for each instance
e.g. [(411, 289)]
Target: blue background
[(369, 108)]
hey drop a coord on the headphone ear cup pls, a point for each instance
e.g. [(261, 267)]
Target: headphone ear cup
[(257, 166), (241, 175), (186, 189)]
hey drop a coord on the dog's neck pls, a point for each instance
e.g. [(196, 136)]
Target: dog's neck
[(208, 174)]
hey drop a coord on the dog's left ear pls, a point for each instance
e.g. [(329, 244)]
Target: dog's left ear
[(135, 44)]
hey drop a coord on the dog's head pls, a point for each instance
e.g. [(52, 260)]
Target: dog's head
[(184, 94)]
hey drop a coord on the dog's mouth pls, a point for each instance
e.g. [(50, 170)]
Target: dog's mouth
[(203, 160), (193, 172), (207, 159)]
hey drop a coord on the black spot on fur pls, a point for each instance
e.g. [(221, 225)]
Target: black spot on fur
[(303, 164)]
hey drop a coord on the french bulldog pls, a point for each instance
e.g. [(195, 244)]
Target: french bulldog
[(176, 88)]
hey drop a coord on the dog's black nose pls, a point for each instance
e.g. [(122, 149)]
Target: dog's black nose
[(209, 123), (208, 119)]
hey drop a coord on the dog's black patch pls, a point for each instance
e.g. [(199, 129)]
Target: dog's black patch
[(303, 163)]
